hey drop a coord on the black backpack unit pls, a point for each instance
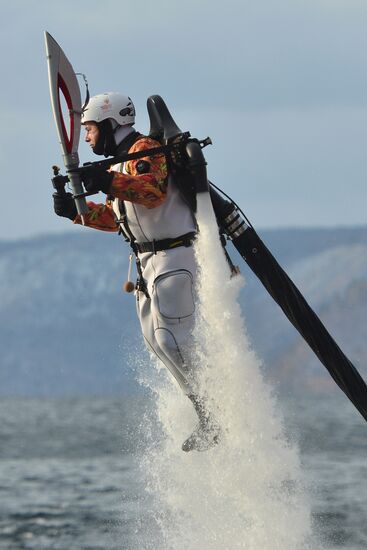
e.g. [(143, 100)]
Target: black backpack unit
[(165, 130)]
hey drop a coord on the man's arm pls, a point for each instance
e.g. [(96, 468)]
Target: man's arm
[(145, 182), (100, 216)]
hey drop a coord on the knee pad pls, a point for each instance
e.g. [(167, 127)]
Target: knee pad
[(173, 296)]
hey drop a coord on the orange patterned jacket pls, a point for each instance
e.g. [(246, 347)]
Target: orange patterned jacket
[(149, 190)]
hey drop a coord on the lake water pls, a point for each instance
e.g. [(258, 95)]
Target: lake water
[(71, 473)]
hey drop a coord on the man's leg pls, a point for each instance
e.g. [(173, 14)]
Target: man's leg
[(167, 321)]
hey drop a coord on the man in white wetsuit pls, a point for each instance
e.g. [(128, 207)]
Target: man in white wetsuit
[(145, 205)]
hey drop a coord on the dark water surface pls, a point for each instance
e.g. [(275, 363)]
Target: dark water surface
[(69, 477)]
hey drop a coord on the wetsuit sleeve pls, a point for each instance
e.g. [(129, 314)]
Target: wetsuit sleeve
[(145, 181), (100, 216)]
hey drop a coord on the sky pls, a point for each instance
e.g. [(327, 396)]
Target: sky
[(280, 86)]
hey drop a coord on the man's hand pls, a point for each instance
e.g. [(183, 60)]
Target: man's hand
[(64, 205), (97, 180)]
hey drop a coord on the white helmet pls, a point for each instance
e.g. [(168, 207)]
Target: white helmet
[(113, 105)]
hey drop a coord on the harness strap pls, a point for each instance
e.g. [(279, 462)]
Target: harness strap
[(141, 285), (166, 244)]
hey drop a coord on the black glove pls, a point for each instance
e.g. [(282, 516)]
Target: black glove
[(97, 180), (64, 205)]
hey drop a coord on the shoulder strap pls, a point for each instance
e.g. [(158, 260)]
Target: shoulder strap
[(124, 226), (124, 147)]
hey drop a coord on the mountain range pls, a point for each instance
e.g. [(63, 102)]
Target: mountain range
[(67, 327)]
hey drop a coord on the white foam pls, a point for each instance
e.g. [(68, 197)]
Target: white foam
[(248, 492)]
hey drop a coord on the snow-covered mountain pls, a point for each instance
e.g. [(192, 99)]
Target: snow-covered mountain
[(63, 314), (68, 327)]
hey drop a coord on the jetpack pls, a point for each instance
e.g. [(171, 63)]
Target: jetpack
[(190, 174)]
